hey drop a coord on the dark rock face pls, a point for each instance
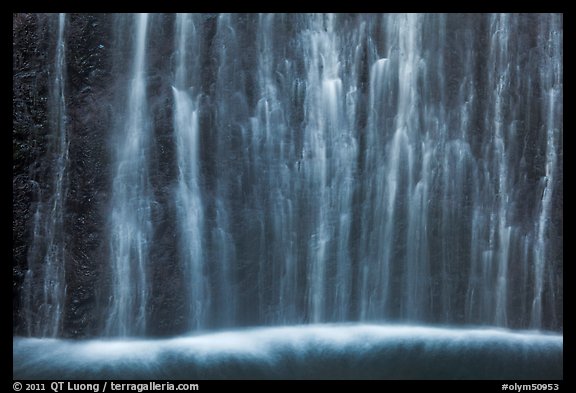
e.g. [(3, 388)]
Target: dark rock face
[(92, 96), (30, 80), (87, 90), (89, 79), (97, 51)]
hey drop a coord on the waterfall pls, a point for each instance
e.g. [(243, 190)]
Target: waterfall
[(281, 169), (329, 151), (551, 111), (44, 294), (130, 217), (188, 197)]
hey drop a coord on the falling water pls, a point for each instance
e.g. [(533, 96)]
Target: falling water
[(321, 168), (551, 112), (188, 195), (45, 282), (130, 219), (329, 153)]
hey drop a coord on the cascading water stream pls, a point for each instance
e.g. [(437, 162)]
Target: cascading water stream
[(188, 198), (130, 218), (329, 156), (44, 294), (551, 77)]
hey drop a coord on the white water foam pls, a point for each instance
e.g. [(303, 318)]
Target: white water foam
[(301, 352)]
